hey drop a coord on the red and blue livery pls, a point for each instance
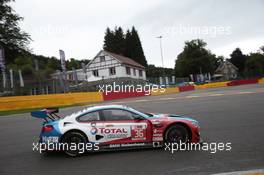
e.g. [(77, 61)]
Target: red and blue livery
[(116, 127)]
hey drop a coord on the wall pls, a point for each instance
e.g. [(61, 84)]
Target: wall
[(261, 81), (212, 85), (167, 91), (53, 100)]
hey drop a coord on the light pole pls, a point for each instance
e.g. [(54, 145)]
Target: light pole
[(161, 53)]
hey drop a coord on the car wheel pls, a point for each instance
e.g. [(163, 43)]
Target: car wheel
[(176, 134), (74, 138)]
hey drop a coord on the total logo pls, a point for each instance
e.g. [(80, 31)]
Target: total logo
[(113, 130), (93, 130)]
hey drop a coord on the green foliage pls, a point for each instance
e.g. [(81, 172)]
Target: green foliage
[(254, 65), (53, 64), (27, 69), (114, 41), (128, 44), (153, 71), (238, 59), (134, 48), (25, 64), (12, 38), (73, 64), (47, 65), (23, 60), (195, 59)]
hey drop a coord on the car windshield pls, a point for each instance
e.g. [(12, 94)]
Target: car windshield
[(142, 113)]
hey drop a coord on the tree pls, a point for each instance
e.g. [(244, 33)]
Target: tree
[(108, 39), (262, 49), (53, 63), (254, 65), (114, 41), (119, 40), (73, 64), (25, 64), (238, 59), (133, 48), (153, 71), (12, 38), (195, 59), (128, 44)]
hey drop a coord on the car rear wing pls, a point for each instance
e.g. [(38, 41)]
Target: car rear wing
[(46, 114)]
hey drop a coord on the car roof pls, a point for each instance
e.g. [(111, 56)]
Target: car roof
[(106, 106), (97, 107)]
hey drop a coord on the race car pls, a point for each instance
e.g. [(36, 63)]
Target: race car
[(113, 127)]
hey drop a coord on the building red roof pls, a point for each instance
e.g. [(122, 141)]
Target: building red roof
[(125, 60)]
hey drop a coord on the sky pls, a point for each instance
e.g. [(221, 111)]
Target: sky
[(78, 26)]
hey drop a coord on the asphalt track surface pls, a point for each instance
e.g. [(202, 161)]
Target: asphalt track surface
[(232, 114)]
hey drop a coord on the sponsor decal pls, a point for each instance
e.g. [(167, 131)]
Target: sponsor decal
[(50, 139), (155, 139), (126, 145), (93, 130), (115, 132), (93, 124), (116, 136), (157, 135), (138, 132), (114, 146), (132, 144)]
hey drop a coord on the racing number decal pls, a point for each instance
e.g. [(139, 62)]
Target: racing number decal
[(138, 132)]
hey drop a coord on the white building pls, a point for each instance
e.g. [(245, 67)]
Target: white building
[(107, 65)]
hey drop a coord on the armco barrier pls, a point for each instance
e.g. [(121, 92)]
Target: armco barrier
[(166, 91), (186, 88), (242, 82), (52, 100), (120, 95)]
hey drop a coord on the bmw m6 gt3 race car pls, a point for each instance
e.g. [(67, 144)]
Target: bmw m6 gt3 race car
[(115, 127)]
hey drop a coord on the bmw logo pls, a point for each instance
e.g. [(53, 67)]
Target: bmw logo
[(93, 130)]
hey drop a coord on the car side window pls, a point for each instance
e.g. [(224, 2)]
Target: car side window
[(91, 116), (117, 114)]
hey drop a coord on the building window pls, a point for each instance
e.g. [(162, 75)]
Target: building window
[(134, 71), (140, 73), (95, 73), (102, 58), (128, 70), (112, 71)]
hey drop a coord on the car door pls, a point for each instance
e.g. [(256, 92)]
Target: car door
[(91, 123), (124, 127)]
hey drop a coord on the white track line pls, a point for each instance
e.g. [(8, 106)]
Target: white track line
[(243, 172)]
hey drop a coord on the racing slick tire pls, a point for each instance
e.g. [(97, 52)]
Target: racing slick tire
[(73, 138), (176, 134)]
